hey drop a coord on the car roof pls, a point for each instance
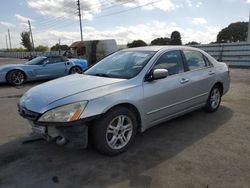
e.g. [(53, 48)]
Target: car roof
[(158, 48), (53, 56)]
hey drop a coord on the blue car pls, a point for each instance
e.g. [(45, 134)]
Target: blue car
[(41, 68)]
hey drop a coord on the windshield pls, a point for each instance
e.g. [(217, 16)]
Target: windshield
[(36, 61), (122, 64)]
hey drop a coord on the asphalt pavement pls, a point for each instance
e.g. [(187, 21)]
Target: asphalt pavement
[(197, 150)]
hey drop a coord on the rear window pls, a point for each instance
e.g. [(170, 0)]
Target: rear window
[(194, 59)]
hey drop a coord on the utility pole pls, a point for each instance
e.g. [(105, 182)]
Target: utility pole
[(31, 35), (9, 38), (6, 39), (248, 32), (80, 17), (59, 42)]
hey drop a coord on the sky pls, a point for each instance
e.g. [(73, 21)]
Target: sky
[(122, 20)]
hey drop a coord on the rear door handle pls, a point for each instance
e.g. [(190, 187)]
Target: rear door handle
[(211, 72), (184, 80)]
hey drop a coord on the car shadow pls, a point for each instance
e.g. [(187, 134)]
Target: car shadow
[(24, 85), (47, 165)]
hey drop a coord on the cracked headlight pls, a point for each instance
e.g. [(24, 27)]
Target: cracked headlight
[(66, 113)]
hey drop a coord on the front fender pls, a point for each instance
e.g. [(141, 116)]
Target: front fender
[(80, 62), (101, 105)]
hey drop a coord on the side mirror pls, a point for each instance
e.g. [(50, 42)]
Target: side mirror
[(157, 74), (45, 63)]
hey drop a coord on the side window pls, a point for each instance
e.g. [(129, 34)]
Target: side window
[(64, 59), (55, 60), (46, 61), (194, 59), (208, 62), (172, 61)]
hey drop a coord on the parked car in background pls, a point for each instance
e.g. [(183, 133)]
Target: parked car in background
[(39, 68), (126, 92)]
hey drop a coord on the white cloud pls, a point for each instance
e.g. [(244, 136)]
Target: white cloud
[(199, 21), (127, 34), (25, 26), (165, 5), (23, 19), (193, 3), (68, 8), (7, 24), (198, 4), (65, 8)]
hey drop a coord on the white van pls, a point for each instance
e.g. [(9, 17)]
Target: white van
[(93, 50)]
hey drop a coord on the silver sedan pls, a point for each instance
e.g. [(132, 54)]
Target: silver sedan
[(126, 92)]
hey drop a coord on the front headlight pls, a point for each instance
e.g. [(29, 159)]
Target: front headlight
[(66, 113)]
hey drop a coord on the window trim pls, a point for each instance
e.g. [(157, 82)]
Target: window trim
[(152, 66), (203, 56), (207, 60)]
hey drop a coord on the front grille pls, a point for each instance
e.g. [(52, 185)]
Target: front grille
[(33, 116)]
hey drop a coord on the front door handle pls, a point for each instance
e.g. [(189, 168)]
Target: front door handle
[(184, 80), (211, 72)]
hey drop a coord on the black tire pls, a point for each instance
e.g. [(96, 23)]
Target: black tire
[(15, 77), (101, 135), (212, 102), (75, 69)]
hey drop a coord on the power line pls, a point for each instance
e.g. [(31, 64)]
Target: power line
[(127, 10), (53, 21)]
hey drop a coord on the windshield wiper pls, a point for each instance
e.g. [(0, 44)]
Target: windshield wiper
[(102, 75)]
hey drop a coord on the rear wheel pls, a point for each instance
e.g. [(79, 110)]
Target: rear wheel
[(114, 132), (214, 99), (75, 70), (15, 77)]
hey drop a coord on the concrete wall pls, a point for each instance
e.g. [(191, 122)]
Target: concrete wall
[(234, 54), (22, 55)]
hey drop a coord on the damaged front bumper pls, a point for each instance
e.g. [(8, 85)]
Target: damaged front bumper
[(71, 134)]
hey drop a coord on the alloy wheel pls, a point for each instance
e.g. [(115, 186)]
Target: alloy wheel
[(215, 98), (76, 70), (119, 132), (17, 77)]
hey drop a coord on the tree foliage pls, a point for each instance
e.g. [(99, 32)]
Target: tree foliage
[(136, 43), (160, 41), (235, 32), (25, 40), (192, 43), (175, 38), (58, 47), (41, 48), (16, 50)]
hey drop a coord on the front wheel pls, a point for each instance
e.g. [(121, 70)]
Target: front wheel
[(15, 77), (114, 132), (214, 99), (75, 70)]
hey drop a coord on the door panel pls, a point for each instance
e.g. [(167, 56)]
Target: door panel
[(52, 67), (165, 97), (200, 75)]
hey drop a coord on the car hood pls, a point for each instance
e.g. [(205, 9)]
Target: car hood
[(44, 94)]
